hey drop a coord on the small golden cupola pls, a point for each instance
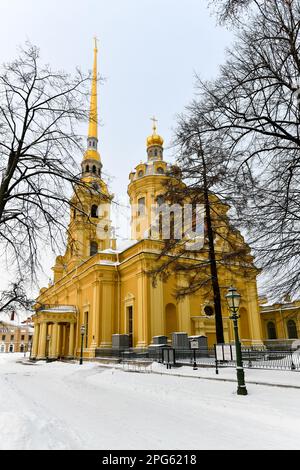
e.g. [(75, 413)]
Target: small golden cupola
[(91, 164), (155, 144)]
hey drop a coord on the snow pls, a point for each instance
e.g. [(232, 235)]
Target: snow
[(281, 378), (108, 263), (125, 243), (59, 308), (122, 245), (67, 406)]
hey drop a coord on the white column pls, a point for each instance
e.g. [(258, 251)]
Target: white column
[(53, 353), (42, 341)]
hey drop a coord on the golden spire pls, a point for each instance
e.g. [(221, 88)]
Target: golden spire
[(93, 120), (92, 141)]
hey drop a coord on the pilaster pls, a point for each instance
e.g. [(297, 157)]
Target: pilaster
[(95, 314), (157, 313), (42, 341), (140, 314)]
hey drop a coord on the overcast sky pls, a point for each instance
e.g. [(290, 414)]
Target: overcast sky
[(149, 51)]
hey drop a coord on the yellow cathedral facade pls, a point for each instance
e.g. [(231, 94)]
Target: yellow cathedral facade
[(109, 290)]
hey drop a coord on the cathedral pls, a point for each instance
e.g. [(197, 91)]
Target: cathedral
[(107, 289)]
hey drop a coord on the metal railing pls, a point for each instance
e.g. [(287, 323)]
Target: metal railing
[(266, 359), (58, 307), (254, 357)]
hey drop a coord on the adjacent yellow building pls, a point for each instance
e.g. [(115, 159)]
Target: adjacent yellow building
[(108, 290), (280, 321), (15, 336)]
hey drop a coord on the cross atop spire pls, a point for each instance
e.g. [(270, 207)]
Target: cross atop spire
[(154, 120)]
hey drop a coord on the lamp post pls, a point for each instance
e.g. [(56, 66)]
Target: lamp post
[(82, 332), (30, 348), (233, 300), (48, 347)]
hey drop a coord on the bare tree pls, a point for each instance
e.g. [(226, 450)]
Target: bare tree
[(201, 180), (254, 109), (39, 111), (229, 10), (14, 299)]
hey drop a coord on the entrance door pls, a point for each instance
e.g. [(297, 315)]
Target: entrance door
[(171, 320)]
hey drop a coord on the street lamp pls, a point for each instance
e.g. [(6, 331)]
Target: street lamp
[(82, 332), (233, 300), (48, 347)]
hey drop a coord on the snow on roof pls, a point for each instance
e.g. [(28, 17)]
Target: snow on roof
[(125, 243), (106, 262), (10, 322), (58, 308), (16, 325), (122, 244)]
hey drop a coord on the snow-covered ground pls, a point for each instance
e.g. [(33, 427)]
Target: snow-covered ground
[(67, 406)]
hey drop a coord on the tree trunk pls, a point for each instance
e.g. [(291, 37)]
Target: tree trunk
[(212, 260)]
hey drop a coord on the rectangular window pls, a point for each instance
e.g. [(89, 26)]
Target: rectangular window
[(12, 337), (141, 206), (3, 337), (22, 337)]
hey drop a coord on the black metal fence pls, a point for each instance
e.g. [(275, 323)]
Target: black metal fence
[(255, 358), (264, 359)]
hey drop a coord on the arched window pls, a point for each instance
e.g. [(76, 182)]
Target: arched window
[(87, 168), (93, 248), (160, 170), (94, 169), (271, 330), (94, 211), (22, 348), (155, 153), (292, 329), (99, 171), (160, 226), (140, 173), (172, 226)]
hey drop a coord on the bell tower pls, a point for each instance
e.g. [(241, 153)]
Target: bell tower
[(90, 225), (146, 188), (91, 164)]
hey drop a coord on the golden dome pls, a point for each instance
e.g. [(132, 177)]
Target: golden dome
[(154, 139), (91, 154)]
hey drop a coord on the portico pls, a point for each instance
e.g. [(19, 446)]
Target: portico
[(54, 335)]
